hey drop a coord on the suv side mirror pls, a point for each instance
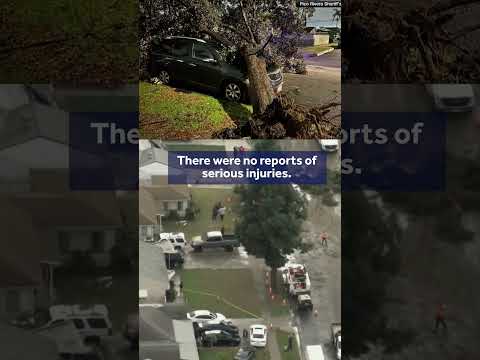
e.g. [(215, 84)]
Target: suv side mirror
[(211, 61)]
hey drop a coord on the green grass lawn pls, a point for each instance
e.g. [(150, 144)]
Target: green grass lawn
[(233, 285), (205, 199), (228, 353), (167, 113), (63, 40), (282, 340)]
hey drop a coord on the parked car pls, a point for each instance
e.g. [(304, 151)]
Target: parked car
[(219, 338), (304, 302), (202, 63), (329, 145), (258, 335), (205, 315), (314, 352), (245, 353), (92, 322), (208, 326), (452, 97), (215, 239)]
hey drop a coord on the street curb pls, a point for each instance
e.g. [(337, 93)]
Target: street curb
[(297, 336), (324, 52)]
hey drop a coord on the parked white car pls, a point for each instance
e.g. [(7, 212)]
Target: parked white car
[(200, 316), (92, 322), (452, 97), (258, 335), (329, 145)]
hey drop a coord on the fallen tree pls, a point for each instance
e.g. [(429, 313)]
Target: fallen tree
[(283, 118), (412, 45)]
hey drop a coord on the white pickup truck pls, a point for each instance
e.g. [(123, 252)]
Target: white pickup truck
[(295, 278)]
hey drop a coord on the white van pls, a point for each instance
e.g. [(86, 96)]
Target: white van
[(314, 352), (91, 322)]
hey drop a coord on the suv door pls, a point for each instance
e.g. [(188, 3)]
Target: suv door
[(181, 53), (205, 69)]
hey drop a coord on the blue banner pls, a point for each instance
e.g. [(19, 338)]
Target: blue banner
[(393, 151), (103, 151), (247, 167)]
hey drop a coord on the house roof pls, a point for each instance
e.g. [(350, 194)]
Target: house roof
[(32, 121), (155, 326), (152, 272), (11, 276), (153, 155), (147, 209), (169, 192)]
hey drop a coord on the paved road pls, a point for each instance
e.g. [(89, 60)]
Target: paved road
[(317, 87), (463, 129), (331, 60), (324, 267)]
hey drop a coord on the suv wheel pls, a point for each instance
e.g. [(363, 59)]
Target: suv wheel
[(162, 78), (233, 91)]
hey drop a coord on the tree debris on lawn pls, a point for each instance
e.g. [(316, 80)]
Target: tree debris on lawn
[(283, 118), (408, 45)]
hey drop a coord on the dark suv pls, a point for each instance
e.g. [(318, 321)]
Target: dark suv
[(202, 63)]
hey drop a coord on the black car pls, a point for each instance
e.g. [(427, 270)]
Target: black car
[(203, 63), (200, 328), (219, 338), (245, 353)]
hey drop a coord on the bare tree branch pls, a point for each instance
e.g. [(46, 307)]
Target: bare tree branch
[(244, 16), (262, 47)]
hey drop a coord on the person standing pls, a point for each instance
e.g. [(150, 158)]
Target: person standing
[(221, 212), (324, 239), (440, 318)]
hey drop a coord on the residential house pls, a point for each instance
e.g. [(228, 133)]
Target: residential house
[(154, 169), (164, 337), (45, 221)]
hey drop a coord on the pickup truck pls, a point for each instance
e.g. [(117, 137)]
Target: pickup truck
[(215, 239), (336, 330)]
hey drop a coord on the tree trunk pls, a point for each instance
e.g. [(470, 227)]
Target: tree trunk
[(274, 280), (260, 91)]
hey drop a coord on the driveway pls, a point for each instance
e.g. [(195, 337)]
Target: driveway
[(317, 87)]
